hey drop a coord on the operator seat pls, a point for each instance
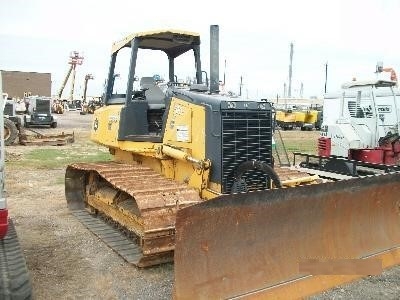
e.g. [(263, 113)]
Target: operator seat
[(154, 95)]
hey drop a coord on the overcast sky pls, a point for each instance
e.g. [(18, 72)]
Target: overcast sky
[(255, 37)]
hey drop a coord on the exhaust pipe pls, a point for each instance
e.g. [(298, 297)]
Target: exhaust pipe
[(214, 59)]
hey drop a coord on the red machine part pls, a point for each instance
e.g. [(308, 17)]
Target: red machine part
[(3, 222), (393, 75), (324, 146), (375, 156), (386, 154)]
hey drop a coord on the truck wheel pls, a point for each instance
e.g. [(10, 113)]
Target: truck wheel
[(14, 276), (10, 132), (53, 125)]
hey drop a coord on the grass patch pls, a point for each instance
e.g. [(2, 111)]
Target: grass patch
[(295, 141), (304, 147), (59, 158)]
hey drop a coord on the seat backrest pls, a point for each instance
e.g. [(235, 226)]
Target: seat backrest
[(154, 95), (146, 82)]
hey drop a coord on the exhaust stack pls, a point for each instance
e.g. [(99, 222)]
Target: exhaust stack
[(214, 59)]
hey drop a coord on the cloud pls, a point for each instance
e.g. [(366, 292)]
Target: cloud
[(254, 37)]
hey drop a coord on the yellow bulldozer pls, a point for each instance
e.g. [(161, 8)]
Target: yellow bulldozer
[(193, 180)]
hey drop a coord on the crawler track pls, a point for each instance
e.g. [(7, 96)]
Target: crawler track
[(137, 199), (110, 235), (14, 276), (293, 177)]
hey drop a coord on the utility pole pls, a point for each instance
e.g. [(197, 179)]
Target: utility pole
[(284, 90), (301, 90), (290, 71), (240, 85), (224, 71), (326, 75)]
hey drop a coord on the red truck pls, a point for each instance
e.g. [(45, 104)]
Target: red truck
[(3, 218)]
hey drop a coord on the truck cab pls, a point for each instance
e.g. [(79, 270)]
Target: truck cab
[(361, 122)]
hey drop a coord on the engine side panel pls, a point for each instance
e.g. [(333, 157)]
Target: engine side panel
[(106, 125), (185, 127)]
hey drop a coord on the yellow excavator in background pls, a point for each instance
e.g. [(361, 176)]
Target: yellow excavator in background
[(193, 180)]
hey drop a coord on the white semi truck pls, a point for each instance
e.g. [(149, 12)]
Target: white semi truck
[(362, 122)]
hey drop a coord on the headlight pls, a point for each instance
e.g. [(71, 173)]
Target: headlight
[(231, 104)]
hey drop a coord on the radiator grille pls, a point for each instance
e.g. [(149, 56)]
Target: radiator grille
[(246, 136)]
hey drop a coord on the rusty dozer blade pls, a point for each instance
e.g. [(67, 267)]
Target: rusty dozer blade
[(254, 245), (40, 139)]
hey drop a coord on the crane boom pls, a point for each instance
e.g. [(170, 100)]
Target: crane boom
[(87, 78), (74, 60), (64, 82)]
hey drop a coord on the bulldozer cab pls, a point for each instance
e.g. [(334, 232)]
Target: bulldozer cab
[(144, 104), (173, 43)]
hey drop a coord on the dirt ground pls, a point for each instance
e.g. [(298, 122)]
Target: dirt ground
[(66, 261)]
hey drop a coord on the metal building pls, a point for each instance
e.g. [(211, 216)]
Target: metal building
[(21, 84)]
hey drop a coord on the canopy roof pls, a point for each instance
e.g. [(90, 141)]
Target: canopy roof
[(172, 42), (377, 83)]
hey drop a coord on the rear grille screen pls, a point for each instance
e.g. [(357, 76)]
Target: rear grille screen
[(42, 106), (8, 109), (246, 136)]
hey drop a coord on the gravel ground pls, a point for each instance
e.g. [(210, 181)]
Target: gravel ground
[(66, 261)]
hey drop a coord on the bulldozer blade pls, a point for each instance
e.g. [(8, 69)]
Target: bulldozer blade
[(259, 244), (40, 139)]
